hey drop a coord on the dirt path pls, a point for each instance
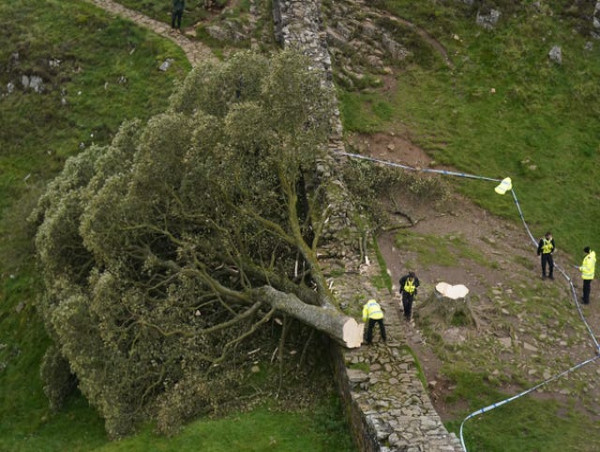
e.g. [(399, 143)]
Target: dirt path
[(195, 51), (527, 329)]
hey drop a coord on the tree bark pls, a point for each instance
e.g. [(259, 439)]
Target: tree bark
[(344, 330)]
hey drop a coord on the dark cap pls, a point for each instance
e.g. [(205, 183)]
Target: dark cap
[(411, 274), (587, 249)]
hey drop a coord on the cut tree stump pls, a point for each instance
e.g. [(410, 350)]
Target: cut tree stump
[(448, 306), (445, 290)]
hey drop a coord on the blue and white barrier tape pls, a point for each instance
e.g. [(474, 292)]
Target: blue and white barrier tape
[(572, 287), (515, 397)]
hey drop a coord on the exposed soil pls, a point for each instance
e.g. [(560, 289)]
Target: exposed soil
[(526, 329)]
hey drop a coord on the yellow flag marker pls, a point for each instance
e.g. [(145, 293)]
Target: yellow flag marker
[(504, 186)]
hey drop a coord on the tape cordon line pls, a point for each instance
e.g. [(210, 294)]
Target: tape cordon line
[(505, 185)]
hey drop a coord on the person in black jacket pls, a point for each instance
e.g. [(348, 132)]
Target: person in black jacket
[(178, 7), (408, 290), (546, 249)]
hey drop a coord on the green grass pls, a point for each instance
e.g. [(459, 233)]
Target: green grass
[(441, 250), (419, 367), (100, 88), (503, 109), (525, 424), (540, 126), (161, 10), (321, 429), (365, 367), (108, 72), (383, 280)]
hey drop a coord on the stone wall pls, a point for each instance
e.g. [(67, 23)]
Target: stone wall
[(388, 407)]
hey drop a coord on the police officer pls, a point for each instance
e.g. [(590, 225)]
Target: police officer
[(374, 314), (587, 269), (546, 249), (408, 290)]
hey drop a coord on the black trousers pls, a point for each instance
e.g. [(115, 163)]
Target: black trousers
[(407, 302), (370, 327), (587, 285), (547, 260), (176, 17)]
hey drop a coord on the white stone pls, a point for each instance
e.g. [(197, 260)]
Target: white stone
[(529, 347), (505, 341)]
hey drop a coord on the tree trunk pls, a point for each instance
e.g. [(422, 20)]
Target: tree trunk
[(341, 328)]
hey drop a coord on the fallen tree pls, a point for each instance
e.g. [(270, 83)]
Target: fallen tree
[(167, 251)]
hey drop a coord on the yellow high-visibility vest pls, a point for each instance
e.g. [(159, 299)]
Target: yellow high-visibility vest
[(409, 286), (588, 266), (546, 246), (372, 310)]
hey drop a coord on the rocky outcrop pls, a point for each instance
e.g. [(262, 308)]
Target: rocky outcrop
[(489, 20), (555, 54), (596, 21), (363, 40)]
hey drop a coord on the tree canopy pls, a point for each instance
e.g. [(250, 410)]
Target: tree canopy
[(166, 251)]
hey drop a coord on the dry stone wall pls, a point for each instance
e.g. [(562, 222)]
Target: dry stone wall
[(388, 406), (386, 401)]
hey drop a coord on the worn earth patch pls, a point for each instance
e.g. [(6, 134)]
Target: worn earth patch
[(524, 330)]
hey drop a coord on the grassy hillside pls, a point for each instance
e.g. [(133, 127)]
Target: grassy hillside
[(504, 110), (97, 71)]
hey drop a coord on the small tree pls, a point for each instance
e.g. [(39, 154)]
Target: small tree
[(170, 248)]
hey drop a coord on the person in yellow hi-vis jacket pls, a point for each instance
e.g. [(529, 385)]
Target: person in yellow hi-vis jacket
[(374, 314), (587, 269)]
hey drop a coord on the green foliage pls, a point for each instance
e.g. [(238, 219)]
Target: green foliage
[(150, 247), (81, 55), (38, 133), (60, 382)]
